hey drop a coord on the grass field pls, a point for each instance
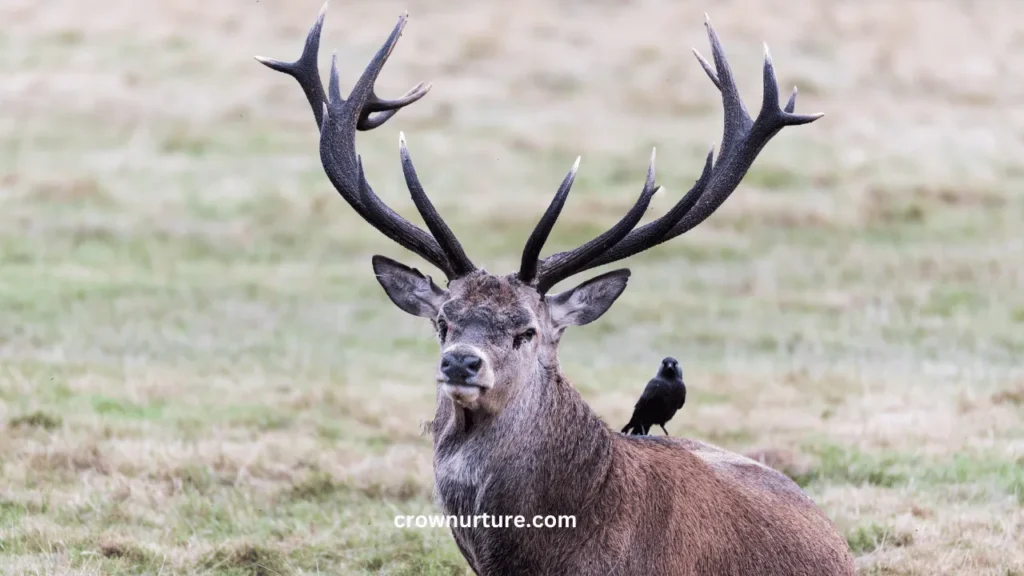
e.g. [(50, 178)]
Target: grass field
[(199, 374)]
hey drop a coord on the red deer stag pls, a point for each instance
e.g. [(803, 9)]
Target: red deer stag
[(511, 435)]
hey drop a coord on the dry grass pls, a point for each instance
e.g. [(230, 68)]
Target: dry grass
[(199, 375)]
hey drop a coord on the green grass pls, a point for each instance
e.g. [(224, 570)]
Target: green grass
[(199, 374)]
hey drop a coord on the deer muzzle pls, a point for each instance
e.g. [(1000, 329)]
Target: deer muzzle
[(464, 374)]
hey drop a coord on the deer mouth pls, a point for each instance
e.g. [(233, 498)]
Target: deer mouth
[(464, 385), (463, 392)]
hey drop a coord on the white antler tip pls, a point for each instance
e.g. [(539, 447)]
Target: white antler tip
[(576, 164), (767, 52)]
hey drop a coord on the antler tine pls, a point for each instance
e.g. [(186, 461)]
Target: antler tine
[(558, 267), (380, 111), (791, 103), (460, 263), (531, 252), (656, 232), (363, 92), (737, 119), (305, 69), (339, 119), (742, 140), (411, 237)]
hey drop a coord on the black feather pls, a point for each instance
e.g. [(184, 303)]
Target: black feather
[(663, 396)]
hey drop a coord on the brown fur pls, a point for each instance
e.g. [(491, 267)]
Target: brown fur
[(511, 436), (643, 505)]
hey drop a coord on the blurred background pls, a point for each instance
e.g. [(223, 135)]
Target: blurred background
[(199, 374)]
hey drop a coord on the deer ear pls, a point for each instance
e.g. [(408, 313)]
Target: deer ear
[(588, 301), (409, 288)]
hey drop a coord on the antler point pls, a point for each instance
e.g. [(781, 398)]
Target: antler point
[(321, 16), (576, 164)]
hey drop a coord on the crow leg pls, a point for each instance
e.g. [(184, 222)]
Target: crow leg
[(663, 429)]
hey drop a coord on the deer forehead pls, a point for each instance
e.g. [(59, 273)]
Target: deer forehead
[(501, 303)]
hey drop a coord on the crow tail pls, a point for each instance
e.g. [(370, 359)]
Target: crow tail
[(634, 428)]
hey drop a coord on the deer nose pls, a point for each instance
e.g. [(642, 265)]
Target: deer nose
[(459, 366)]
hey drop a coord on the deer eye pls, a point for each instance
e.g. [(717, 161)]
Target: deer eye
[(523, 337), (442, 329)]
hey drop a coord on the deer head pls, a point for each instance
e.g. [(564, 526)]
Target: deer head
[(496, 332)]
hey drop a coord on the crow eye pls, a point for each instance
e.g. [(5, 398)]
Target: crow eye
[(523, 337), (442, 329)]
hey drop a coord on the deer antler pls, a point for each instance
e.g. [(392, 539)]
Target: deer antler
[(339, 119), (742, 140)]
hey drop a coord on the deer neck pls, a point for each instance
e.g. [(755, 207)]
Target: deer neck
[(545, 450)]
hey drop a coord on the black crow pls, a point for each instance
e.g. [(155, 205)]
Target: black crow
[(663, 396)]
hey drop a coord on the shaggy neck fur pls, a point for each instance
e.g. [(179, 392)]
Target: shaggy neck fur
[(545, 453)]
